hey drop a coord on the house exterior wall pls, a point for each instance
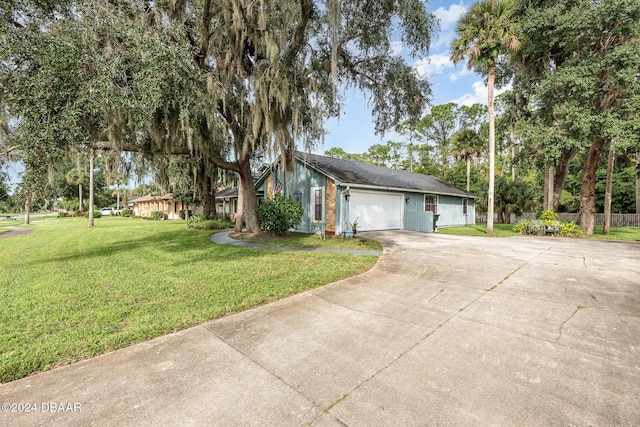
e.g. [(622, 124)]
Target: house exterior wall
[(336, 207), (450, 211), (227, 206), (415, 217), (269, 188), (302, 180), (330, 206), (171, 209)]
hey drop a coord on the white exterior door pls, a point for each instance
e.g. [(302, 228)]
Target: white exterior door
[(376, 211)]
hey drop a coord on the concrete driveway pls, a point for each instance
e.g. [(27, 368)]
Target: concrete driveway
[(444, 330)]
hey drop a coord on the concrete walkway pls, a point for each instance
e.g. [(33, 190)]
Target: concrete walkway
[(444, 330), (224, 238)]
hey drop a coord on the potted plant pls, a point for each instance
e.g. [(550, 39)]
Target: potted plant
[(354, 225)]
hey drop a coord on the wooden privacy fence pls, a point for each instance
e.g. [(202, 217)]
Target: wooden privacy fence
[(617, 220)]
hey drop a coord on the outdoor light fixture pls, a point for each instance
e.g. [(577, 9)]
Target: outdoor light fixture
[(347, 197), (407, 200)]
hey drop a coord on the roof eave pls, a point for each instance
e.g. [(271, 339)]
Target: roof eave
[(407, 190)]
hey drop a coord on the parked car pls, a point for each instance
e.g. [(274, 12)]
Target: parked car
[(107, 211)]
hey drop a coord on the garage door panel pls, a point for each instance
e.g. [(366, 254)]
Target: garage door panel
[(376, 211)]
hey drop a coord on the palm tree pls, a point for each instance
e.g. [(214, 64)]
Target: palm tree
[(466, 146), (487, 31)]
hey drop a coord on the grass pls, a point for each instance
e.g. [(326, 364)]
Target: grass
[(302, 240), (499, 230), (71, 292), (617, 233), (506, 230)]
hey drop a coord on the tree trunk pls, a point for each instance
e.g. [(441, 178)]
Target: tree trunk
[(468, 172), (249, 199), (513, 157), (91, 192), (560, 177), (208, 196), (587, 215), (549, 186), (80, 197), (27, 206), (607, 193), (239, 209), (492, 148), (118, 197)]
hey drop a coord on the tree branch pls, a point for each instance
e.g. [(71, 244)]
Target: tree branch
[(300, 32), (175, 151)]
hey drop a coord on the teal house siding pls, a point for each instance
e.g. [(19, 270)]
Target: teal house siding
[(380, 198), (295, 185), (451, 213), (415, 217)]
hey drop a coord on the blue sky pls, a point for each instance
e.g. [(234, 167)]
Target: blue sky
[(354, 131)]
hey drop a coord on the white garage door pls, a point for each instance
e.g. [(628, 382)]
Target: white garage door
[(376, 211)]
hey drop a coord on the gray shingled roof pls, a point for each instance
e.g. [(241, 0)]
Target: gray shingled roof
[(354, 172), (228, 192)]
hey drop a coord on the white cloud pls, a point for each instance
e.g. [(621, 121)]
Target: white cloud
[(432, 65), (396, 48), (464, 71), (479, 95), (448, 19)]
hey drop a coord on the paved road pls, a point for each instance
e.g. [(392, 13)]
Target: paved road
[(444, 330)]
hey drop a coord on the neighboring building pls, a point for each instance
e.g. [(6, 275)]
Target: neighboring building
[(227, 201), (143, 206), (337, 192)]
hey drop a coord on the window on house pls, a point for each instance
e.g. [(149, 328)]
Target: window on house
[(297, 197), (431, 203), (464, 206), (317, 204)]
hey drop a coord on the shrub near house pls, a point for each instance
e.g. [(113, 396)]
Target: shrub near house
[(548, 220), (279, 214)]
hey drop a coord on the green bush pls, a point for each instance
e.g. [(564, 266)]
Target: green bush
[(96, 214), (182, 213), (156, 215), (62, 214), (193, 220), (200, 222), (211, 224), (571, 229), (279, 214), (127, 212), (548, 215), (522, 227), (78, 213)]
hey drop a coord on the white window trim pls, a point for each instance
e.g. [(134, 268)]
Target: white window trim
[(312, 208), (424, 202)]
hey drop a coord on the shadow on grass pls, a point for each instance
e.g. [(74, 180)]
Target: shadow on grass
[(164, 247)]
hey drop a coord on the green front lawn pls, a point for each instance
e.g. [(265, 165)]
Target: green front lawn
[(617, 233), (506, 230), (70, 292), (302, 240), (499, 230)]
